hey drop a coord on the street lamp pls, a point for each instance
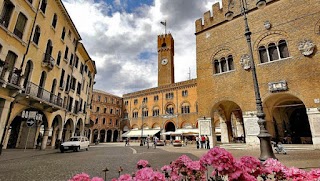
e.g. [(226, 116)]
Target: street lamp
[(142, 107), (264, 137)]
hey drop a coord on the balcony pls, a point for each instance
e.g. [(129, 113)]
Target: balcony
[(9, 78), (42, 95), (48, 61)]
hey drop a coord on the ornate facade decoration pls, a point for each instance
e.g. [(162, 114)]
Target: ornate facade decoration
[(267, 25), (278, 86), (306, 47), (245, 62)]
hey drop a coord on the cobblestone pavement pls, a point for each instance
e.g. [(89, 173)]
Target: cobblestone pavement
[(50, 165)]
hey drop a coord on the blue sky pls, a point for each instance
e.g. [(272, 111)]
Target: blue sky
[(121, 36)]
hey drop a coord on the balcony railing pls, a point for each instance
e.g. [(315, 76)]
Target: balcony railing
[(48, 61), (36, 91), (15, 77)]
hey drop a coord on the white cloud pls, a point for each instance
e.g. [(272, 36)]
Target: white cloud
[(116, 39)]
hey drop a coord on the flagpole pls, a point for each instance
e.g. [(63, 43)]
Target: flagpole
[(165, 27)]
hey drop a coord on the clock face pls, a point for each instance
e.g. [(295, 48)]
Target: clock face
[(164, 61)]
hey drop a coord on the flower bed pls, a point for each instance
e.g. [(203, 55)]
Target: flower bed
[(225, 167)]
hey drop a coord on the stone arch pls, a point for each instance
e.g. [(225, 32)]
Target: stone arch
[(223, 50), (263, 39), (134, 126), (145, 126), (115, 135), (103, 135), (19, 130), (186, 124), (79, 131), (287, 118), (109, 135), (68, 129), (227, 115), (56, 130), (156, 126)]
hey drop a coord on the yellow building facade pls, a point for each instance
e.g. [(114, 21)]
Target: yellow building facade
[(169, 107), (106, 117), (285, 35), (47, 76)]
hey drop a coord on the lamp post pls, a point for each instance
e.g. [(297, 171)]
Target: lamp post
[(142, 107), (264, 137)]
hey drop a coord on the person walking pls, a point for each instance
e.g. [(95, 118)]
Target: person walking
[(203, 140), (155, 140), (207, 142), (197, 141), (148, 140)]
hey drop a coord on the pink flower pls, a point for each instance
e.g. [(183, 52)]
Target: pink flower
[(125, 177), (166, 168), (314, 175), (144, 174), (194, 165), (142, 164), (296, 174), (97, 179), (80, 177)]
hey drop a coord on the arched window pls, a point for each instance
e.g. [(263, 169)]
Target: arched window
[(230, 62), (185, 108), (104, 120), (135, 114), (273, 52), (283, 49), (63, 34), (36, 35), (59, 58), (223, 64), (144, 112), (20, 25), (6, 13), (54, 20), (155, 111), (170, 109), (43, 6), (263, 54), (216, 66)]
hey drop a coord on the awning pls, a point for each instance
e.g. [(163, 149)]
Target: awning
[(137, 133)]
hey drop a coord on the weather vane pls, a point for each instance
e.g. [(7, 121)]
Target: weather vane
[(164, 23)]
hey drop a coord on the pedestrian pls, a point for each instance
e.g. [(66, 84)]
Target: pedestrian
[(203, 140), (148, 140), (39, 139), (207, 142), (197, 142), (155, 140), (186, 140), (126, 142)]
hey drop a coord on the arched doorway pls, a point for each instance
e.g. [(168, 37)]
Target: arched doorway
[(170, 127), (102, 135), (228, 122), (79, 128), (56, 128), (109, 134), (22, 135), (68, 130), (115, 135), (290, 120), (95, 135)]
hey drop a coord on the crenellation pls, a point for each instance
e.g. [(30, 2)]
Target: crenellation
[(218, 14)]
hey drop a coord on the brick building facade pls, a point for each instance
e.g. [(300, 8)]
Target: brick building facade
[(285, 36)]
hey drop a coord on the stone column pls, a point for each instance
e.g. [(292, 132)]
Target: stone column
[(105, 136), (53, 138), (90, 138), (4, 115), (120, 133), (314, 121), (45, 139), (6, 139), (251, 127), (224, 131), (60, 134), (163, 136), (112, 131), (119, 136)]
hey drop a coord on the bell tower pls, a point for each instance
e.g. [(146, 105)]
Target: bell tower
[(165, 59)]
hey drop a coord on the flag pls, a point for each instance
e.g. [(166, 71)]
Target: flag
[(163, 23)]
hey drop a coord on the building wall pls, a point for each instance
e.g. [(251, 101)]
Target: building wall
[(293, 21), (106, 102), (51, 99), (151, 121)]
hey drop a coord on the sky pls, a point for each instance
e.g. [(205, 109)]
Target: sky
[(121, 37)]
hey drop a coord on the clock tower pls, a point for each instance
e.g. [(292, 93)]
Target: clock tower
[(165, 60)]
